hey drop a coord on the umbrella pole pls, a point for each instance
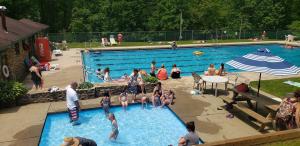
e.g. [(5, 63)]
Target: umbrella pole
[(258, 91), (258, 85)]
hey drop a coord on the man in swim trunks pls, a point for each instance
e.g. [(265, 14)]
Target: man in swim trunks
[(72, 102)]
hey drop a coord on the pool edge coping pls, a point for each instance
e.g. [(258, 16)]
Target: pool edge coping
[(187, 45)]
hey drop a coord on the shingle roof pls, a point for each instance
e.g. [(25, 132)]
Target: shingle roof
[(18, 30)]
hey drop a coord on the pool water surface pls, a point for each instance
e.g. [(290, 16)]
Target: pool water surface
[(121, 62), (137, 127)]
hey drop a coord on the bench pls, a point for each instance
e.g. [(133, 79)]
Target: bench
[(259, 118), (227, 100), (246, 96)]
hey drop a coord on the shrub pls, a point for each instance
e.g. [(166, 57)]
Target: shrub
[(85, 85), (150, 79), (10, 91)]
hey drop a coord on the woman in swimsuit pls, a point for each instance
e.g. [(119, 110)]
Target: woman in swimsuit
[(167, 98)]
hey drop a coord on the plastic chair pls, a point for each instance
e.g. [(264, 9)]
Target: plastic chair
[(198, 81)]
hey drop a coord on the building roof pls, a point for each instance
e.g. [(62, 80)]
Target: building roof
[(37, 26), (18, 29)]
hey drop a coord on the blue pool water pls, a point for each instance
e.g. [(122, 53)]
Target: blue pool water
[(137, 127), (121, 62)]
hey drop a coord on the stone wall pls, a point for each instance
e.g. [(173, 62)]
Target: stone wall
[(83, 94)]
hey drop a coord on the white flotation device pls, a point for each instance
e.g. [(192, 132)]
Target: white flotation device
[(5, 71), (198, 53)]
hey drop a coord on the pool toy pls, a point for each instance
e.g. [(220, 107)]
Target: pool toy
[(198, 53)]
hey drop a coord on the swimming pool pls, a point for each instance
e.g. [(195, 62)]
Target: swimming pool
[(121, 62), (137, 127)]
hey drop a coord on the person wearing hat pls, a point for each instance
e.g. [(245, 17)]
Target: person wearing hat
[(78, 141)]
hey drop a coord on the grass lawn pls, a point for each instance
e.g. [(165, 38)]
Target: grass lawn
[(295, 142), (97, 44), (276, 87)]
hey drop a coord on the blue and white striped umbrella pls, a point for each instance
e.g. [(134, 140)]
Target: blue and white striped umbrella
[(263, 61)]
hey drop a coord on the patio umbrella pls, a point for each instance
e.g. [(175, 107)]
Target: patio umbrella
[(263, 61)]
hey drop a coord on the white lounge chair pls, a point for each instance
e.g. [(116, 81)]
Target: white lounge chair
[(112, 41), (104, 42), (57, 52)]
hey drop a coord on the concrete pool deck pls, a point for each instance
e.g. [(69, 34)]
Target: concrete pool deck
[(23, 125)]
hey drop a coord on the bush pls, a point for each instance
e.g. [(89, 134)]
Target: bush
[(10, 91), (85, 85), (150, 79)]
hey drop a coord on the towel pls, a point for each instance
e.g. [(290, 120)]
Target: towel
[(297, 84)]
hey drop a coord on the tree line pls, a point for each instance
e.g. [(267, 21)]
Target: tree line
[(157, 15)]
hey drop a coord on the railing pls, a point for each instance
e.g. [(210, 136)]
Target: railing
[(148, 36)]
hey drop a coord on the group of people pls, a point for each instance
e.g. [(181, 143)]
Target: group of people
[(159, 98), (162, 73), (211, 71)]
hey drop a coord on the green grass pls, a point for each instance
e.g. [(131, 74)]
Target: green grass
[(294, 142), (276, 87), (97, 44)]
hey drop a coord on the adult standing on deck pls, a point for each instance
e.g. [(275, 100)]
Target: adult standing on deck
[(36, 76), (120, 38), (73, 102)]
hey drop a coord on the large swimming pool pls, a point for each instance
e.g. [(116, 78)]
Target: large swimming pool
[(137, 127), (121, 62)]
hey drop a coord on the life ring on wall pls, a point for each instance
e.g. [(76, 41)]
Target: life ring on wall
[(198, 53), (5, 71)]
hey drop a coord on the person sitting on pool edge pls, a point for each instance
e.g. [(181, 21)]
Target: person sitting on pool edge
[(115, 130), (167, 98), (123, 98), (162, 73), (156, 99), (175, 72), (191, 138), (78, 141), (211, 70), (221, 71)]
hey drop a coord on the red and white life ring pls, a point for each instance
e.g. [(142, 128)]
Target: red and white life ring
[(5, 71)]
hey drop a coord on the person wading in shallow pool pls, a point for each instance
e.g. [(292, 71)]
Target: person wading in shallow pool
[(73, 102), (114, 126), (105, 103)]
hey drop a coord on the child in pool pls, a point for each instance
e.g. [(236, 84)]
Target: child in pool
[(123, 98), (105, 103), (114, 126)]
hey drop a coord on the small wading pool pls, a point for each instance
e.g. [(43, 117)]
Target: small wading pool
[(121, 62), (137, 127)]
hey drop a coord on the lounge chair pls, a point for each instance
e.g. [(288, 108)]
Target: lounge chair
[(198, 81), (57, 52), (104, 42), (112, 41)]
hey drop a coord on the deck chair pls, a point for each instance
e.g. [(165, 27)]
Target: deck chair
[(112, 41), (198, 81), (232, 80), (104, 42)]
